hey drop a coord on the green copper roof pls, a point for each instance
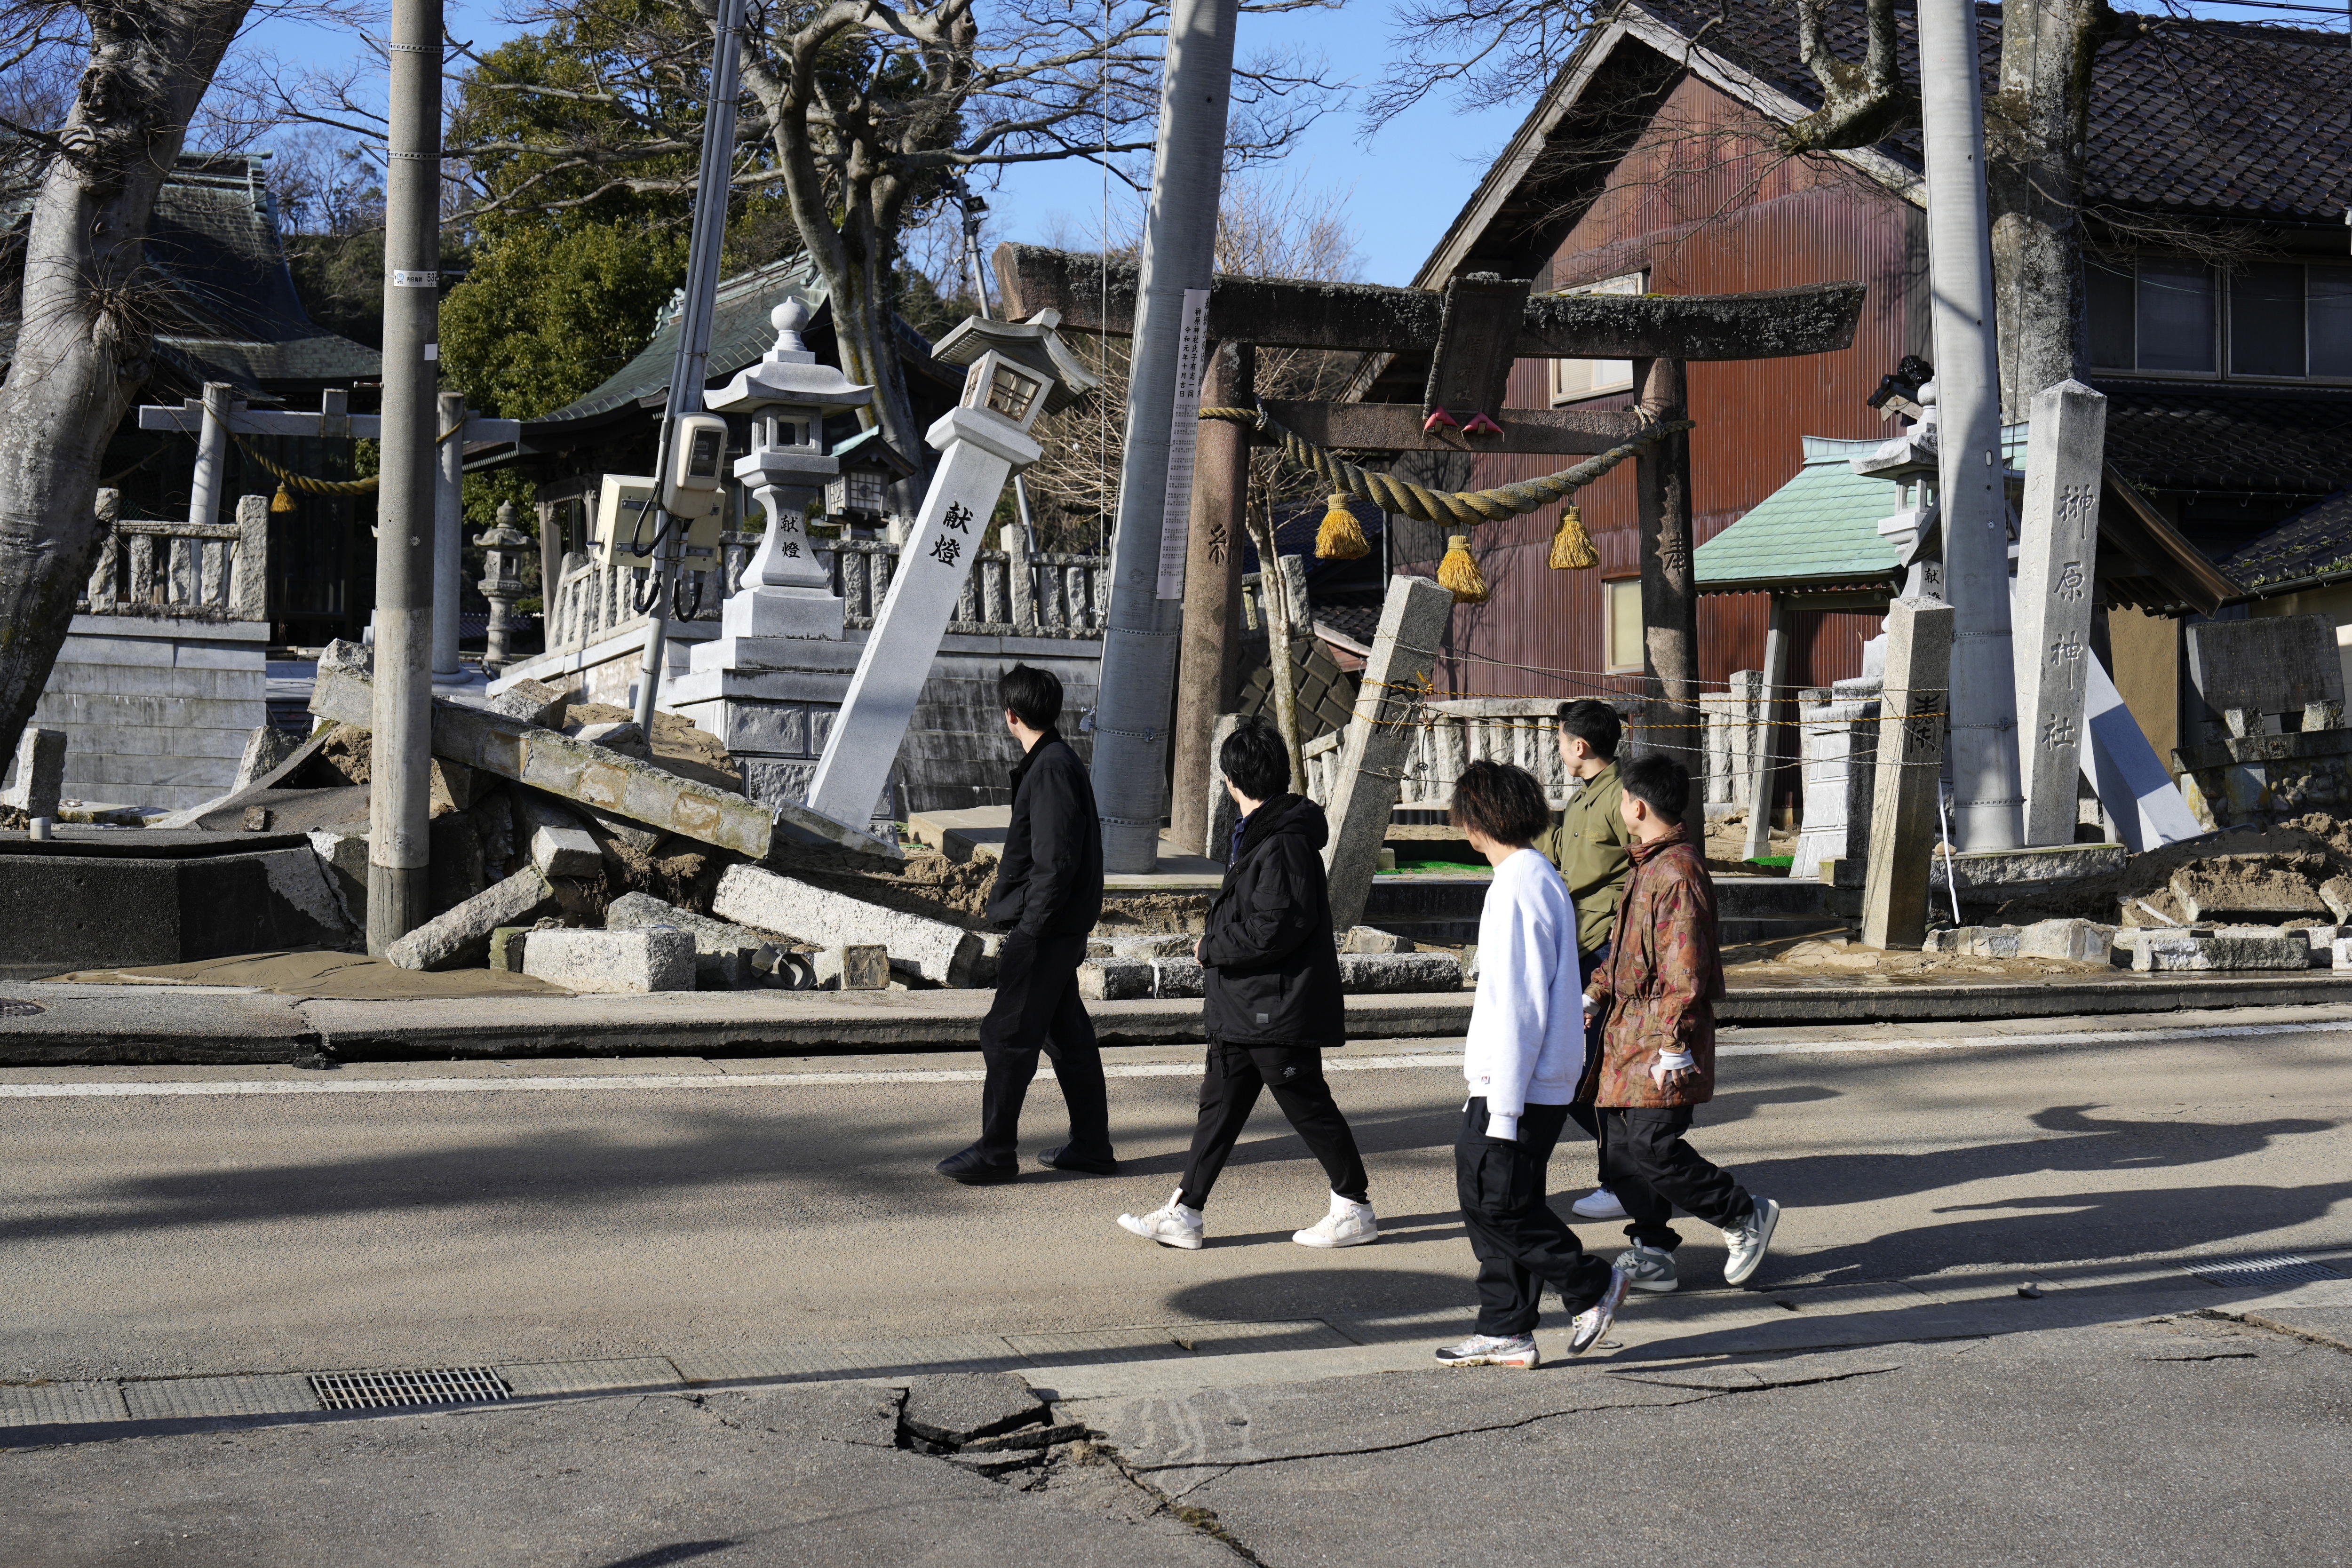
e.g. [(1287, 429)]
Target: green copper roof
[(1818, 531)]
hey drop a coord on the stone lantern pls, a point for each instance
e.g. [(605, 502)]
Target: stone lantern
[(859, 495), (785, 593), (501, 584)]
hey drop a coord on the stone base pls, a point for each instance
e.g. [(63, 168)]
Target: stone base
[(787, 615)]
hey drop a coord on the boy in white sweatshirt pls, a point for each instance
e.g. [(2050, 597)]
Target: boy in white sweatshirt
[(1525, 1051)]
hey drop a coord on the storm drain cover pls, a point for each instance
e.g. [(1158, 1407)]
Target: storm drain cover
[(391, 1390), (11, 1008), (2280, 1271)]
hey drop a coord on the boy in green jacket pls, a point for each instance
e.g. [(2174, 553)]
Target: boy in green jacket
[(1590, 847)]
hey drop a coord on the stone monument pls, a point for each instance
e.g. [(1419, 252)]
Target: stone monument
[(2057, 558)]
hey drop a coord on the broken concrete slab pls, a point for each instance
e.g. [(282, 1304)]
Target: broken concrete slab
[(254, 794), (611, 963), (957, 1408), (855, 966), (1176, 979), (265, 748), (2020, 870), (2245, 885), (726, 956), (1116, 979), (1371, 939), (566, 852), (598, 777), (534, 702), (820, 917), (342, 854), (461, 936), (2160, 950), (1376, 972), (2083, 942)]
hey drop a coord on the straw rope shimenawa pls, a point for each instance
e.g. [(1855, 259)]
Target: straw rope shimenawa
[(289, 482), (1341, 538)]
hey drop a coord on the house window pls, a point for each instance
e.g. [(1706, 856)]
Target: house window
[(1621, 623), (2268, 321), (1577, 378)]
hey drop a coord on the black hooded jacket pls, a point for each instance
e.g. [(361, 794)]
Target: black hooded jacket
[(1049, 881), (1273, 973)]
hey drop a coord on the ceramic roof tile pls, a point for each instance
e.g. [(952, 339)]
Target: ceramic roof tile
[(2312, 547)]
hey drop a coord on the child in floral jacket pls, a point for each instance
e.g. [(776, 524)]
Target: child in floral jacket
[(1656, 1062)]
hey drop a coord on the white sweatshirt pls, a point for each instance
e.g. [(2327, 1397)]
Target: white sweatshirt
[(1527, 1024)]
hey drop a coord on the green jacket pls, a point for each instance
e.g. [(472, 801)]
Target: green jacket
[(1589, 846)]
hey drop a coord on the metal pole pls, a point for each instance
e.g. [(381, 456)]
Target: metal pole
[(400, 796), (448, 538), (1989, 802), (1140, 641), (690, 369)]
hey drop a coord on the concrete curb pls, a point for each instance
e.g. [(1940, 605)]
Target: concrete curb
[(1888, 1004)]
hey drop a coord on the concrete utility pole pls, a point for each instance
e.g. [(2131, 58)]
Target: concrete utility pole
[(1140, 642), (448, 536), (1989, 802), (713, 182), (400, 798)]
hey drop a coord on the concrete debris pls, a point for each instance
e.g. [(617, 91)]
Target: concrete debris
[(611, 963), (2336, 894), (342, 855), (1116, 979), (2165, 950), (2245, 885), (611, 826), (340, 655), (40, 773), (2084, 941), (1995, 874), (457, 786), (461, 937), (725, 957), (534, 702), (566, 852), (1174, 946), (933, 950), (1367, 973), (506, 948), (1176, 979), (955, 1408), (853, 967), (256, 819), (265, 748), (622, 736), (1180, 979), (1371, 939)]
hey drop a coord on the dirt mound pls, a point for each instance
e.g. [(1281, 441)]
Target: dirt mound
[(2315, 848), (679, 746)]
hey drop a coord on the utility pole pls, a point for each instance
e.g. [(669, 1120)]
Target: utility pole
[(1146, 595), (1988, 799), (713, 184), (400, 798)]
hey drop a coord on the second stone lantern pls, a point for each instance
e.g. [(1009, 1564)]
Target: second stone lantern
[(786, 593)]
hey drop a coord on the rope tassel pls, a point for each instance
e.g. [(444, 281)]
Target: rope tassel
[(1571, 547), (1459, 574), (1341, 537)]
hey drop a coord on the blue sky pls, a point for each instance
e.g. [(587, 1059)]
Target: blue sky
[(1400, 189)]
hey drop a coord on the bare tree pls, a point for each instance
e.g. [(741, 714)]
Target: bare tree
[(85, 312)]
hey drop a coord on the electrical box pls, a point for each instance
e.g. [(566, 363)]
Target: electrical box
[(697, 467), (627, 521)]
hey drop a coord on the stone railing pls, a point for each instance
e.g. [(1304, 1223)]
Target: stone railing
[(196, 571)]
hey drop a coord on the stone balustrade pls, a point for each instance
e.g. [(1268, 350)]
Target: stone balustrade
[(189, 571)]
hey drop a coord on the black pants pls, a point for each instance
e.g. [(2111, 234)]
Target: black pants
[(1521, 1245), (1038, 1007), (1229, 1086), (1583, 1113), (1646, 1163)]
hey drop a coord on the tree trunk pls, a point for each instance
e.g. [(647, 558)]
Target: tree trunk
[(83, 351), (1669, 602), (863, 328), (2036, 128)]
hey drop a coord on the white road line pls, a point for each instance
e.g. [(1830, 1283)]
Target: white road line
[(1112, 1069)]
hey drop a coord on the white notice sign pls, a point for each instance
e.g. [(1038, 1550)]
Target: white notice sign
[(1183, 433)]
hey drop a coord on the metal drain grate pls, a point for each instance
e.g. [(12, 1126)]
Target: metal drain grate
[(10, 1008), (2280, 1271), (391, 1390)]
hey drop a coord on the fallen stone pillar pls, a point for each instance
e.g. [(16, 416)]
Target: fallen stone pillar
[(1371, 759), (611, 963), (40, 773), (725, 956), (1371, 973), (2161, 951), (461, 937), (766, 902), (566, 852), (853, 966)]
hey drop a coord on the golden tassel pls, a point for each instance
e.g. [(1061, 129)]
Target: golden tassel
[(1571, 547), (283, 501), (1341, 537), (1460, 574)]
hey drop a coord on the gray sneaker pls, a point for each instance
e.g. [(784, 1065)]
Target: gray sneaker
[(1649, 1269), (1492, 1350), (1585, 1330), (1744, 1245)]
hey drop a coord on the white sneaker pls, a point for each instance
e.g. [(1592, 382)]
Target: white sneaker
[(1492, 1350), (1743, 1247), (1585, 1330), (1649, 1269), (1350, 1224), (1598, 1204), (1171, 1224)]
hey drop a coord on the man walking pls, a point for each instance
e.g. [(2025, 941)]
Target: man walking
[(1588, 847), (1272, 983), (1657, 1056), (1047, 895), (1520, 1060)]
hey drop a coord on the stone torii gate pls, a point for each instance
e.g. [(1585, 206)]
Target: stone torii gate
[(1475, 329)]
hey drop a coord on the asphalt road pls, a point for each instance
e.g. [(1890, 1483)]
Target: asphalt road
[(164, 1236)]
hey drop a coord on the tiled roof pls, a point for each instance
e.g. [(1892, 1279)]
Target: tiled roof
[(229, 309), (2188, 116), (740, 334), (2312, 547), (2287, 441), (1820, 530)]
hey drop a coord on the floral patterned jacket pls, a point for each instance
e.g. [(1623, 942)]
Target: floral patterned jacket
[(1660, 981)]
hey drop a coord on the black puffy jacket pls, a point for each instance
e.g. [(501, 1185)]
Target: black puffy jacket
[(1273, 971), (1050, 879)]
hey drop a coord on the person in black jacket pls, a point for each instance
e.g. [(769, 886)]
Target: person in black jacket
[(1047, 896), (1273, 1000)]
